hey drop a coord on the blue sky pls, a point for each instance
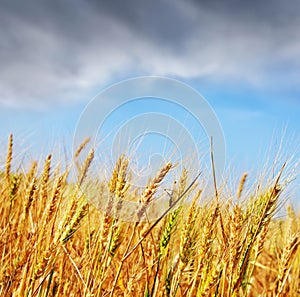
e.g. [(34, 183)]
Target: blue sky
[(242, 57)]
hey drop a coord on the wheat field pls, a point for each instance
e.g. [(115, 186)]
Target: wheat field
[(55, 242)]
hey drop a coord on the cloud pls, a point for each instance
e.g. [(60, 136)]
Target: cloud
[(61, 51)]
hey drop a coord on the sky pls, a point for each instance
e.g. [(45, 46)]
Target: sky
[(242, 57)]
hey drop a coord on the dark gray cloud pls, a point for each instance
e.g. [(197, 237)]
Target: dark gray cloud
[(53, 51), (275, 12)]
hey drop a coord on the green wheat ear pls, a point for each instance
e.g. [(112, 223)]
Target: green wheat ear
[(167, 232)]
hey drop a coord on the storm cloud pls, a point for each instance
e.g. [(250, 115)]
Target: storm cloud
[(62, 51)]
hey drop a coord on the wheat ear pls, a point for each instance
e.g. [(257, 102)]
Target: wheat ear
[(152, 188), (9, 157)]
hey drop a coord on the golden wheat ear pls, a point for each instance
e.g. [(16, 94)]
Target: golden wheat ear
[(81, 147), (9, 157)]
